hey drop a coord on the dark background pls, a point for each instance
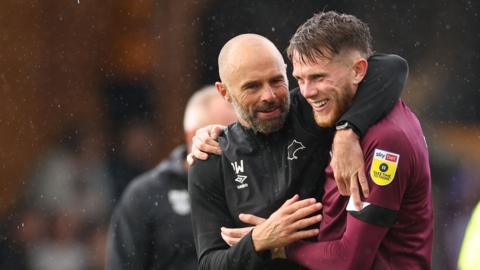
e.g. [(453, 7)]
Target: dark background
[(100, 87)]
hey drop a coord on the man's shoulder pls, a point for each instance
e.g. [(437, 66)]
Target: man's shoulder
[(237, 139), (397, 137), (395, 128), (143, 187), (206, 173)]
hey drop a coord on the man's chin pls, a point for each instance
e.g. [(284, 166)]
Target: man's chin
[(270, 125), (325, 121)]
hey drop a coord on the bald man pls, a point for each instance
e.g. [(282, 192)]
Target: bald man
[(274, 156), (150, 227)]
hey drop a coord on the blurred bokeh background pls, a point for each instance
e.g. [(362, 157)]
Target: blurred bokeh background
[(93, 93)]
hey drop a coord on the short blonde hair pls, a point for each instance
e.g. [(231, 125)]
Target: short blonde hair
[(197, 109)]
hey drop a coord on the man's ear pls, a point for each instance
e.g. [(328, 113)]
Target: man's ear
[(222, 90), (360, 70)]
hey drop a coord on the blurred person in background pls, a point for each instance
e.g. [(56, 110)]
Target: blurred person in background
[(132, 156), (151, 227), (72, 177), (68, 193)]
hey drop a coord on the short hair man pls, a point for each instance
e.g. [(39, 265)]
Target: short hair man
[(272, 153), (394, 230), (151, 228)]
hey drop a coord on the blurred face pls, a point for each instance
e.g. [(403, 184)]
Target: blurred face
[(258, 90), (328, 85)]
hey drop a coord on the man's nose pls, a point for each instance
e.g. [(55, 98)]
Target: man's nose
[(268, 94), (308, 90)]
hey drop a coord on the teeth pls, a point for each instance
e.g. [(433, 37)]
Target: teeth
[(320, 103)]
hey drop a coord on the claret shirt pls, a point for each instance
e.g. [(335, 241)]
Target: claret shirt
[(394, 230)]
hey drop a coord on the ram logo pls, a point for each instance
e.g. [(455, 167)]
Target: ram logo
[(293, 148)]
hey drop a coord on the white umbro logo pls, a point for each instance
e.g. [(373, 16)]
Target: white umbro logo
[(241, 178), (238, 168)]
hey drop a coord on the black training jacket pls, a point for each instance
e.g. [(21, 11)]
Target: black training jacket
[(151, 227), (256, 173)]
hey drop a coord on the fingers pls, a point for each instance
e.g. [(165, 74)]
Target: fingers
[(206, 145), (232, 236), (342, 186), (203, 142), (306, 211), (304, 234), (340, 179), (362, 178), (236, 232), (190, 159), (296, 206), (305, 222), (229, 240), (251, 219), (355, 192), (198, 154), (216, 131), (291, 200)]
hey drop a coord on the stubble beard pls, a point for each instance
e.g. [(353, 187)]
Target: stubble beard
[(264, 126), (341, 104)]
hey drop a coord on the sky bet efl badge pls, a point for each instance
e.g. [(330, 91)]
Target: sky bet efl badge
[(384, 167)]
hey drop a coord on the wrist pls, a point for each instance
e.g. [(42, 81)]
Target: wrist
[(346, 135), (257, 242), (345, 126)]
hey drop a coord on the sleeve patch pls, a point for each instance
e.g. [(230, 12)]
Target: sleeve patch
[(384, 166)]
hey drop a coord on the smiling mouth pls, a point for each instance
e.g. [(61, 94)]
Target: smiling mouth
[(271, 112), (320, 105)]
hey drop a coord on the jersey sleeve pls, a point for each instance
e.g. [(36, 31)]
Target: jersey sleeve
[(389, 164), (388, 159), (209, 214), (355, 250), (378, 92)]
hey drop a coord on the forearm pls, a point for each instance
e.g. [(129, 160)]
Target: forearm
[(240, 256), (355, 250)]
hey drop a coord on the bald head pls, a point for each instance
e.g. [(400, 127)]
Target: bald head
[(254, 80), (206, 107), (243, 51)]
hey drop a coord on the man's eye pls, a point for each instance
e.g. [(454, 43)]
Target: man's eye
[(252, 86), (277, 81)]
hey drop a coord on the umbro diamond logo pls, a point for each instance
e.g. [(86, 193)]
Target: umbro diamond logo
[(241, 178)]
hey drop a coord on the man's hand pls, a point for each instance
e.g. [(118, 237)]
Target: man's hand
[(232, 235), (205, 141), (285, 225), (349, 166)]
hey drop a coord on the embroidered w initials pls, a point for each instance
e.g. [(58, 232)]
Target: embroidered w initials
[(237, 168)]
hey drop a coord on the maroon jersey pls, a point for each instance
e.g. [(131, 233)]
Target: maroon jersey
[(394, 230)]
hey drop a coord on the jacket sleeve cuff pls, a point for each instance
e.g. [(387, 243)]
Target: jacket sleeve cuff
[(256, 256)]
